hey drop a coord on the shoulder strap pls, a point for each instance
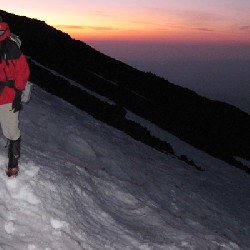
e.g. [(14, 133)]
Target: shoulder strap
[(15, 39)]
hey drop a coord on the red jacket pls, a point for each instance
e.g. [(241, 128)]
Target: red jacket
[(13, 67)]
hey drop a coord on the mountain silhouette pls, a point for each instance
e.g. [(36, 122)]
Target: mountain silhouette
[(107, 89)]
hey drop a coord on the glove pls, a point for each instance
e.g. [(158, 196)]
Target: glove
[(17, 105)]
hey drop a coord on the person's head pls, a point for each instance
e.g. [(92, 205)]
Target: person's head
[(4, 30)]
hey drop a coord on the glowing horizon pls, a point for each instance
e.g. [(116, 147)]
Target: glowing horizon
[(162, 20)]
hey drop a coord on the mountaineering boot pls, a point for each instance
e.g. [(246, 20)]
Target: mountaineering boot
[(13, 154), (12, 172)]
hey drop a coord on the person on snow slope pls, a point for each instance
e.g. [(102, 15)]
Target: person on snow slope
[(14, 73)]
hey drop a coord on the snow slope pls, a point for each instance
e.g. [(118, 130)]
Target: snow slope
[(85, 185)]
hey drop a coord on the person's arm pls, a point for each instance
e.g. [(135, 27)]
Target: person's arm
[(22, 76), (22, 72)]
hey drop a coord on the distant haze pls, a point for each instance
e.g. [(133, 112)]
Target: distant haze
[(217, 71)]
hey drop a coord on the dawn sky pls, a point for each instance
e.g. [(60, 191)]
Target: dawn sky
[(199, 44), (150, 20)]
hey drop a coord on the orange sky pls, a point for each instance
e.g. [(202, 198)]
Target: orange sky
[(200, 44), (158, 20)]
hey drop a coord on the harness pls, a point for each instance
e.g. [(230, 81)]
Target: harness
[(8, 83)]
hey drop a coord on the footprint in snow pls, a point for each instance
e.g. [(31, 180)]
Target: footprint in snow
[(23, 193), (9, 227), (20, 188), (58, 224)]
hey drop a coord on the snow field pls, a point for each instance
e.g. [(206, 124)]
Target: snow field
[(85, 185)]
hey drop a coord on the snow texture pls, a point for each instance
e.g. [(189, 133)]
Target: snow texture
[(86, 185)]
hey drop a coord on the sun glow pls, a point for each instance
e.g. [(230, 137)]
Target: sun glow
[(158, 20), (140, 33)]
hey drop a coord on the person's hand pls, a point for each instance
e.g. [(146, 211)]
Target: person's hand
[(17, 104)]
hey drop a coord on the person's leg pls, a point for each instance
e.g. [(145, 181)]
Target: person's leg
[(14, 153), (9, 123)]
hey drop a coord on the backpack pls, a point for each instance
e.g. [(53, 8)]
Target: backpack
[(26, 93)]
